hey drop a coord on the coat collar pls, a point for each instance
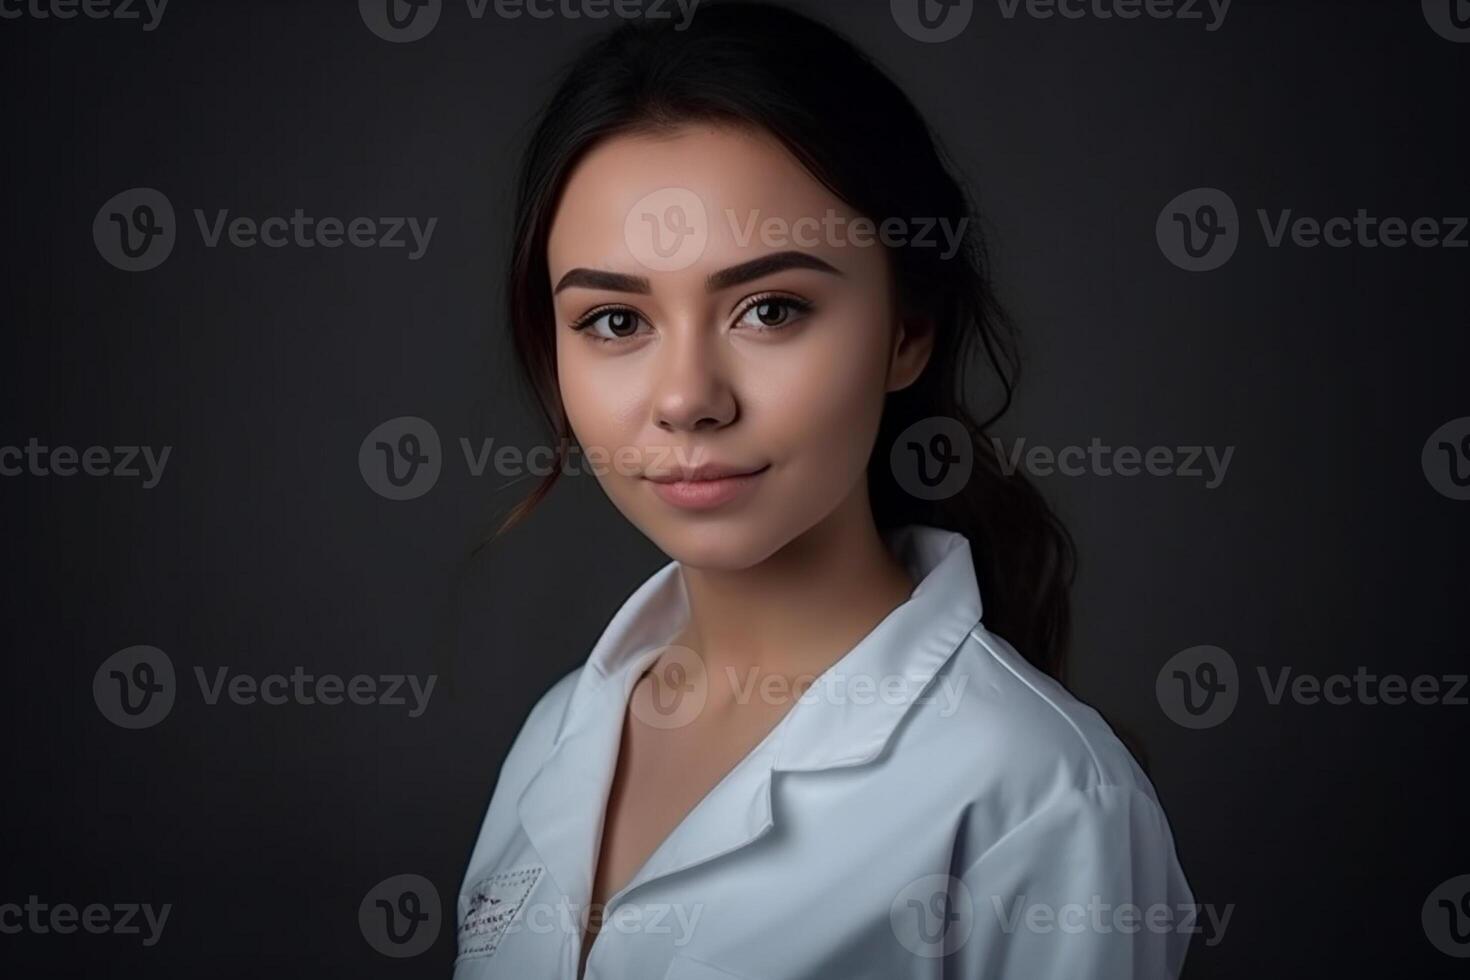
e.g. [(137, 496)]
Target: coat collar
[(839, 723), (849, 724)]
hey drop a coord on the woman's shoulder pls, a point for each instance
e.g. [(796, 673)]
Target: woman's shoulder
[(1015, 733), (544, 720), (531, 746)]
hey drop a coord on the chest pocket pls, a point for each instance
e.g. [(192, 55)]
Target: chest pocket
[(683, 968), (488, 906)]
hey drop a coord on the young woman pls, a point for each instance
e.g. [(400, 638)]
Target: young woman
[(808, 747)]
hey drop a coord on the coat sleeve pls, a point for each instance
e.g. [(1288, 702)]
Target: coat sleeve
[(1086, 888)]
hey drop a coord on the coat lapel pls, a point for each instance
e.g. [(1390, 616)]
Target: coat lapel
[(563, 807)]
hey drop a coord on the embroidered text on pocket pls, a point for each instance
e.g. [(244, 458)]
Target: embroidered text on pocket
[(489, 905)]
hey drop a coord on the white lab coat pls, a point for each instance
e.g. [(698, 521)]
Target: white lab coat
[(970, 820)]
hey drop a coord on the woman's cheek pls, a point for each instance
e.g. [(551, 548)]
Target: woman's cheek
[(601, 396), (824, 392)]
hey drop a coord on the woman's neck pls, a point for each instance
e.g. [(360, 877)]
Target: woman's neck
[(802, 608)]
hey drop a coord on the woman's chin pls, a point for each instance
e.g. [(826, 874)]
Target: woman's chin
[(726, 543)]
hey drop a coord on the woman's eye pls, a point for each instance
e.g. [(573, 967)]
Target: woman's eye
[(610, 324), (773, 312)]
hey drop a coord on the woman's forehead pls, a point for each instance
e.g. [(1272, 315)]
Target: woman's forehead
[(704, 195)]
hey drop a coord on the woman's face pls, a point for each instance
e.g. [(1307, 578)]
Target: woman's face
[(724, 341)]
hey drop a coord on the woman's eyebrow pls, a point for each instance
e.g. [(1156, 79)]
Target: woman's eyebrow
[(766, 265), (600, 279)]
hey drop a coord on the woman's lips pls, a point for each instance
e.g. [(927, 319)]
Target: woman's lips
[(706, 492)]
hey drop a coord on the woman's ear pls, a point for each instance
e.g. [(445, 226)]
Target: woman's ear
[(913, 342)]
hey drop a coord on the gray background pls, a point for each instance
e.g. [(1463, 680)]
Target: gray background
[(262, 549)]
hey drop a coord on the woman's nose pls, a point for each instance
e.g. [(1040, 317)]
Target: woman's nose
[(693, 392)]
